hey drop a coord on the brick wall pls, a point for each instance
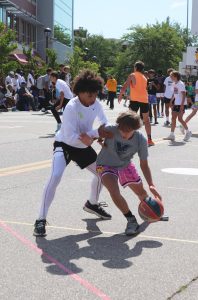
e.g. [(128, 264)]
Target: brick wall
[(25, 5)]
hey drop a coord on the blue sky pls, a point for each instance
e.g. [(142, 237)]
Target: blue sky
[(111, 18)]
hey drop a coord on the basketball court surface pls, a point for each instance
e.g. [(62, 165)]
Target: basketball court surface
[(83, 257)]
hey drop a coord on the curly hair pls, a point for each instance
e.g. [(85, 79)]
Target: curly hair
[(128, 121), (87, 81)]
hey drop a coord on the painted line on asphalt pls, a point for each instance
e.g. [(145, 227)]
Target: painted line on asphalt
[(182, 189), (44, 164), (11, 127), (51, 259), (25, 168), (108, 232)]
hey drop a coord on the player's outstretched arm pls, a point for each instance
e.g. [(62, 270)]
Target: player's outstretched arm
[(147, 175)]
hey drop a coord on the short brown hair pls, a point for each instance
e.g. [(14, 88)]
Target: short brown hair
[(128, 121), (139, 66), (176, 74), (170, 70)]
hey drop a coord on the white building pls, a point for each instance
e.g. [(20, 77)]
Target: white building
[(194, 26), (189, 64)]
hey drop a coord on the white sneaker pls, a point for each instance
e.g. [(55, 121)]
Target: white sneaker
[(187, 136), (182, 129), (171, 137)]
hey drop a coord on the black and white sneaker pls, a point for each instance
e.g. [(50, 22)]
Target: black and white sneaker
[(97, 210), (132, 226), (39, 228)]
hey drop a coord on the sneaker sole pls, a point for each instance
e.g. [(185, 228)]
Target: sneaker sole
[(133, 233), (95, 213), (37, 234)]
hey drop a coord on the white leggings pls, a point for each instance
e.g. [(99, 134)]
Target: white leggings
[(58, 167)]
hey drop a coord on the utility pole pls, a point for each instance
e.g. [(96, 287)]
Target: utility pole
[(187, 14)]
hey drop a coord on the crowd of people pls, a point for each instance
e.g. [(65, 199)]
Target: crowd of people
[(153, 93), (50, 91)]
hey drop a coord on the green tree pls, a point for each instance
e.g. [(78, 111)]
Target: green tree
[(77, 62), (62, 35), (7, 36), (159, 46), (103, 51), (52, 58)]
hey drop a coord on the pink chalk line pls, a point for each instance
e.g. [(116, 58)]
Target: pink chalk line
[(74, 276)]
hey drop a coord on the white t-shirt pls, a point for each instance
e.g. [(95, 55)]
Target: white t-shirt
[(8, 80), (178, 88), (196, 88), (168, 87), (20, 78), (78, 119), (62, 86), (15, 83), (30, 77)]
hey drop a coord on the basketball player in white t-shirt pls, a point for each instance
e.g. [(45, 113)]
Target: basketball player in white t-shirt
[(194, 107), (178, 108)]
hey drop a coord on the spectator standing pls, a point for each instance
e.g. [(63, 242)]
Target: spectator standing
[(160, 93), (62, 74), (168, 93), (15, 83), (9, 78), (67, 75), (111, 86), (20, 78), (30, 80), (152, 91)]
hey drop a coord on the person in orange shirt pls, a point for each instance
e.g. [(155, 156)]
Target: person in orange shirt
[(138, 96), (111, 86)]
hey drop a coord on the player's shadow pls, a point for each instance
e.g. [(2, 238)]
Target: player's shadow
[(113, 251), (195, 135), (47, 136), (175, 144)]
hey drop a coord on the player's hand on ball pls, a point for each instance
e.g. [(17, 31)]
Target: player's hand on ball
[(103, 133), (155, 192), (86, 139)]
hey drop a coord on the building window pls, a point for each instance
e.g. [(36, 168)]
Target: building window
[(1, 14), (28, 38), (24, 32)]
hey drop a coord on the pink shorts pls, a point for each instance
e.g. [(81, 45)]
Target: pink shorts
[(126, 176)]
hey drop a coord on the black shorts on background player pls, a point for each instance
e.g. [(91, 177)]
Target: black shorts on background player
[(135, 106)]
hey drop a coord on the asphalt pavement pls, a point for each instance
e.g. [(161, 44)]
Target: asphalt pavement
[(83, 257)]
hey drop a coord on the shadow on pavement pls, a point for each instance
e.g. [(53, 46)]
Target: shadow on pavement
[(47, 136), (195, 135), (177, 143), (112, 251)]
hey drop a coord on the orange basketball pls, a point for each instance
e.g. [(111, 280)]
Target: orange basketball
[(151, 209)]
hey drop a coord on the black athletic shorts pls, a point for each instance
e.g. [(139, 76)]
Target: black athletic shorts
[(167, 100), (82, 156), (135, 106), (176, 108)]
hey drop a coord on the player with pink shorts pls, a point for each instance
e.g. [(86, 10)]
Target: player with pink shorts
[(114, 164), (126, 175)]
